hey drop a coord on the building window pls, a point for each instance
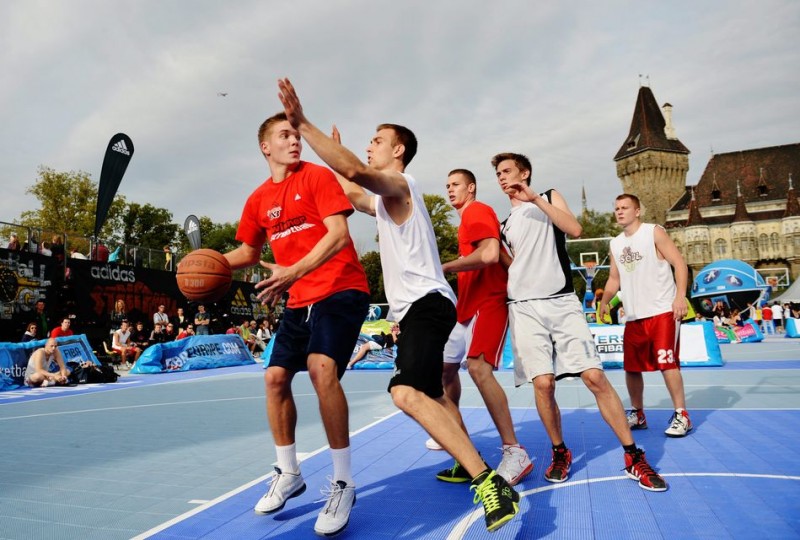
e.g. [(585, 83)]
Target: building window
[(763, 243), (775, 240), (716, 195), (721, 248), (763, 190)]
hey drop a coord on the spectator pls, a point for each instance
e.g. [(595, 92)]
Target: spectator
[(263, 332), (202, 321), (114, 257), (384, 341), (63, 330), (57, 248), (185, 333), (767, 324), (140, 337), (42, 365), (99, 252), (158, 335), (124, 346), (180, 320), (13, 243), (30, 333), (777, 317), (74, 253), (41, 319), (169, 333), (167, 258), (248, 337), (118, 315), (160, 316)]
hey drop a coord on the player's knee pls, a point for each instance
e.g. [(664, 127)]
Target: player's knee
[(403, 397), (478, 369), (595, 380), (276, 380), (545, 385)]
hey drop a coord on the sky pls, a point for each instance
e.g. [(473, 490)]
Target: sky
[(556, 81)]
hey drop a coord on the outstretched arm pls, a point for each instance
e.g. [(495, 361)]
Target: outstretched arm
[(339, 158), (360, 199)]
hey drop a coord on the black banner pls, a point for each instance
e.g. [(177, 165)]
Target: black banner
[(192, 229), (25, 278), (118, 155)]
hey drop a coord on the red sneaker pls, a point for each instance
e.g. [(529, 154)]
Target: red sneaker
[(637, 468), (558, 471)]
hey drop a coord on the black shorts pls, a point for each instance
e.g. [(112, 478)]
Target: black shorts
[(420, 350), (329, 327)]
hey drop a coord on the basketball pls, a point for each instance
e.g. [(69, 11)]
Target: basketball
[(204, 275)]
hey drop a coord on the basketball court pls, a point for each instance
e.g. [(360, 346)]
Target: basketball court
[(187, 455)]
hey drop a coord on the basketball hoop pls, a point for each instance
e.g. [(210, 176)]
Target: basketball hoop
[(590, 267)]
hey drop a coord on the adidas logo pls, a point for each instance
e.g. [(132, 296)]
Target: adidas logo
[(192, 227), (121, 147), (297, 196)]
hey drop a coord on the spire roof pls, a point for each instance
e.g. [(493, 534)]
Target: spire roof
[(694, 213), (792, 205), (647, 129), (740, 214)]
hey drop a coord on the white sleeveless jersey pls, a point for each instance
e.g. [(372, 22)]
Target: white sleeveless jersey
[(409, 256), (646, 283), (541, 267)]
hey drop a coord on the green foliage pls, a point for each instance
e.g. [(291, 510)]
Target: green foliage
[(371, 261), (68, 203), (446, 233), (148, 226), (219, 237), (598, 224)]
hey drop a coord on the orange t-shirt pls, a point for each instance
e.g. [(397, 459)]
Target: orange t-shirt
[(487, 285), (289, 216)]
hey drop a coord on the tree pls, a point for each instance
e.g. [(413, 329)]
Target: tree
[(597, 228), (446, 233), (221, 237), (68, 204), (149, 227), (371, 261)]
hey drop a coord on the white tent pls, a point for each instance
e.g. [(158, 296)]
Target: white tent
[(792, 294)]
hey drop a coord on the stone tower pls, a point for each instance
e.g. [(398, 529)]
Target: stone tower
[(652, 163)]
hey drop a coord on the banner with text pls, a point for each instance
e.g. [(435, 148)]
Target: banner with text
[(14, 357), (196, 352)]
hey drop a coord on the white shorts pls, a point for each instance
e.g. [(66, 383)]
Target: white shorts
[(373, 345), (455, 350), (551, 336)]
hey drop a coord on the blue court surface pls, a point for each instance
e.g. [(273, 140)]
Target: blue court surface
[(188, 455)]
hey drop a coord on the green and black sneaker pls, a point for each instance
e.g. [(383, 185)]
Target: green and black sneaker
[(455, 474), (498, 497)]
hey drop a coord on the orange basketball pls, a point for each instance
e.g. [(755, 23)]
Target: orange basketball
[(204, 275)]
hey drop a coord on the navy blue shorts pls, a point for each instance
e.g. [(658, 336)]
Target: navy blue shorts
[(329, 327), (420, 349)]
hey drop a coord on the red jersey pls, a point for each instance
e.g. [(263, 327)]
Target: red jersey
[(289, 216), (487, 285), (58, 332)]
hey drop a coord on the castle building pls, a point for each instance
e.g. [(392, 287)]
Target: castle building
[(744, 207)]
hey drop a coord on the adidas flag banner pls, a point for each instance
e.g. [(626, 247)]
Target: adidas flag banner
[(118, 155), (192, 229)]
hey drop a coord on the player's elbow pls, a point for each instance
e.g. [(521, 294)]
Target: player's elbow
[(574, 230)]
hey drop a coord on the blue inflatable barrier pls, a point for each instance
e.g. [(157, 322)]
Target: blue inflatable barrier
[(196, 352), (792, 331), (14, 357)]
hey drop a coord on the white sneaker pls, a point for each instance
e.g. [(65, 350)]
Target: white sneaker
[(335, 516), (515, 464), (283, 487), (431, 444), (680, 425)]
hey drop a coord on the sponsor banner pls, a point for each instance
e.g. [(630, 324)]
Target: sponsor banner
[(196, 352), (748, 333), (192, 229), (699, 345), (25, 278), (118, 154), (14, 357)]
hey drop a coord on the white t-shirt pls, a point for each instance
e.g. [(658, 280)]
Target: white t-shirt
[(777, 312), (541, 266), (645, 280), (409, 256)]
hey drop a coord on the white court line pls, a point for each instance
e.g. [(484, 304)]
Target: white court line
[(244, 487), (169, 404), (461, 528)]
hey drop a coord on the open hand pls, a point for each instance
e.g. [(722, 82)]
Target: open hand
[(291, 103), (276, 284)]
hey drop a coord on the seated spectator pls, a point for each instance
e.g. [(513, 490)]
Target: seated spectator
[(160, 316), (248, 336), (75, 254), (158, 335), (169, 333), (384, 341), (63, 330), (46, 367), (30, 333), (184, 333), (118, 315), (263, 332), (123, 345), (140, 337)]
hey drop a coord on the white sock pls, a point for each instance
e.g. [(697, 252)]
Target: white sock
[(341, 465), (287, 458)]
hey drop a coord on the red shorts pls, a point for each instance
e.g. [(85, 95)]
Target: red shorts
[(652, 344), (484, 334)]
